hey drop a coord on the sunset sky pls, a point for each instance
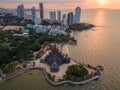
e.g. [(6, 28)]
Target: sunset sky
[(63, 4)]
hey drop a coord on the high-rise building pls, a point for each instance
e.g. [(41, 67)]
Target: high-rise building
[(74, 19), (41, 11), (20, 11), (77, 15), (52, 15), (64, 19), (63, 16), (33, 11), (59, 15), (70, 18), (37, 21)]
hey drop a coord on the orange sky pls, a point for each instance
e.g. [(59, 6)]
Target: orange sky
[(62, 4)]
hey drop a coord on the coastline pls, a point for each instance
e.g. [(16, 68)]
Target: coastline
[(57, 83)]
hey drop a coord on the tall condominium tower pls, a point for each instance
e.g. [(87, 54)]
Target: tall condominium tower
[(70, 18), (77, 14), (20, 11), (63, 16), (59, 15), (33, 11), (52, 15), (64, 19), (41, 11), (37, 21)]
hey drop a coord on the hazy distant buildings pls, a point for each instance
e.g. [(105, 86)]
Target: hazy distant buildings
[(41, 10), (2, 11), (20, 11), (77, 15), (59, 15), (52, 15), (33, 11), (70, 18)]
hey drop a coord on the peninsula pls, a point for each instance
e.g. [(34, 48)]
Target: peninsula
[(27, 44)]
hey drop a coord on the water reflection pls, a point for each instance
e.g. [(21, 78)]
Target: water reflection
[(101, 47), (100, 18)]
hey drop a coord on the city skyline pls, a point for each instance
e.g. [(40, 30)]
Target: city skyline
[(58, 4)]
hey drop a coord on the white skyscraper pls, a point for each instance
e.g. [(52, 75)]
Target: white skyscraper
[(33, 11), (20, 11), (77, 15), (59, 15), (52, 15)]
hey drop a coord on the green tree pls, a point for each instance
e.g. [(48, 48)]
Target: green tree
[(36, 46), (76, 71)]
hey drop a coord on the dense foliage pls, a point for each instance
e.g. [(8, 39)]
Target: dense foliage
[(76, 73), (21, 48), (8, 19), (51, 77), (80, 27)]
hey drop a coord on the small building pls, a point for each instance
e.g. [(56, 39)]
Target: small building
[(25, 31)]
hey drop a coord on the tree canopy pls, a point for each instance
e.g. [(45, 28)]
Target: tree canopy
[(75, 72)]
